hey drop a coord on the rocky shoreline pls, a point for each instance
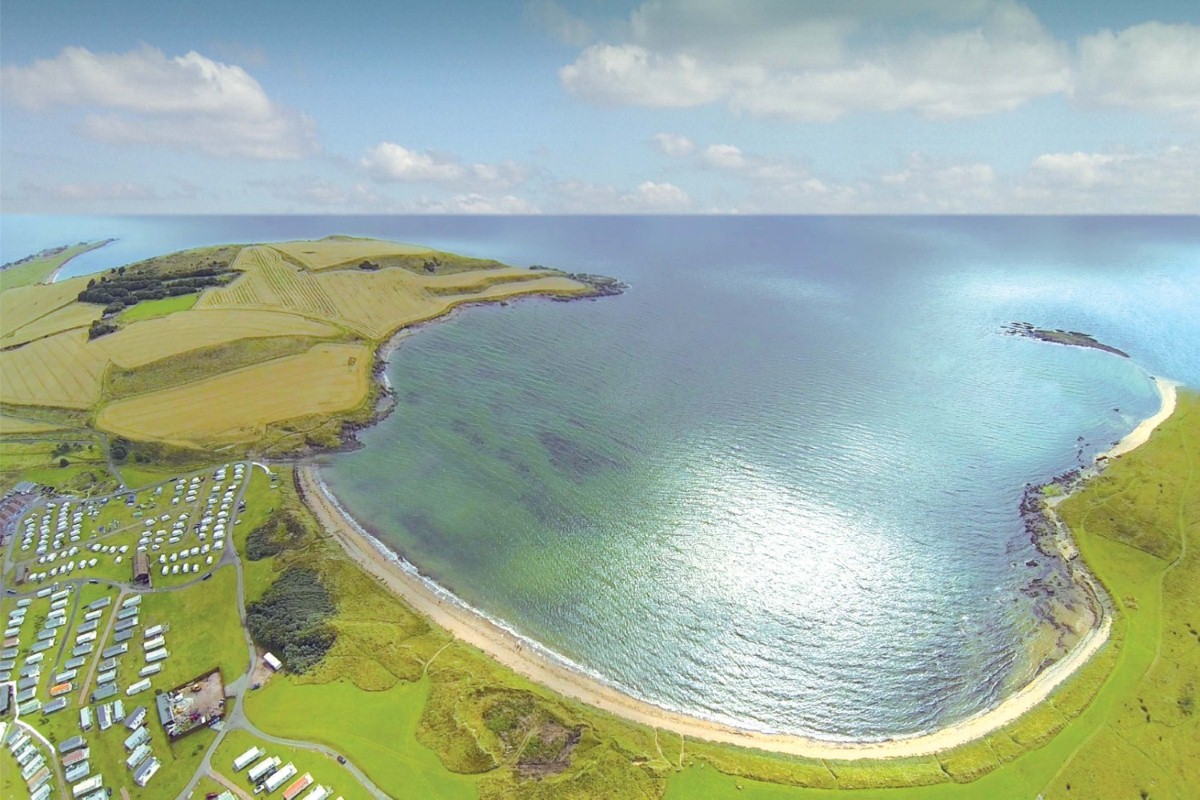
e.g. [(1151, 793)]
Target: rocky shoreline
[(1060, 336), (386, 399)]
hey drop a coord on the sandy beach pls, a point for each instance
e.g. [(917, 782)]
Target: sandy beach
[(1167, 392), (511, 651)]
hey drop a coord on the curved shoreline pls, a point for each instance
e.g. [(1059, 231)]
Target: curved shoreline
[(511, 650)]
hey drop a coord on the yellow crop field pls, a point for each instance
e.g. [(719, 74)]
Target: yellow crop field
[(554, 284), (333, 251), (370, 303), (72, 315), (153, 339), (23, 304), (462, 280), (235, 406), (14, 425), (375, 303), (60, 370), (270, 282)]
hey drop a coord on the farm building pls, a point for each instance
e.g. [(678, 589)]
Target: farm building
[(274, 663), (141, 569)]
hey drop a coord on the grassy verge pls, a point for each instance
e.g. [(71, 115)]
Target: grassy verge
[(150, 309)]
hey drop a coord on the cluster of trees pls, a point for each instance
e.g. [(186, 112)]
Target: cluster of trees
[(100, 328), (291, 620), (368, 265), (281, 532), (120, 289)]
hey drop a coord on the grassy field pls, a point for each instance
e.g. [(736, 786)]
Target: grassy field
[(271, 282), (381, 733), (287, 299), (234, 406), (23, 305), (204, 362), (60, 370), (65, 318), (205, 630), (39, 269), (12, 425), (152, 309), (156, 339), (334, 251)]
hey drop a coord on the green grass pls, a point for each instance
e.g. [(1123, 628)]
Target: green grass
[(39, 269), (325, 771), (205, 630), (380, 734), (150, 309)]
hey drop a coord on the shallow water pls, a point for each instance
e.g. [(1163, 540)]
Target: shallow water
[(775, 482)]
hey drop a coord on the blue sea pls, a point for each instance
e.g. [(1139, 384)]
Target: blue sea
[(776, 482)]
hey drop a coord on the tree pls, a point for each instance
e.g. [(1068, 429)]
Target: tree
[(62, 462)]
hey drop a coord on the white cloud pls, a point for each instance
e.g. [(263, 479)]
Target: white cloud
[(144, 97), (581, 197), (671, 144), (474, 203), (724, 156), (633, 75), (1162, 181), (651, 196), (389, 162), (558, 22), (807, 62), (1151, 67)]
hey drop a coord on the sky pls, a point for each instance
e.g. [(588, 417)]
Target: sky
[(600, 106)]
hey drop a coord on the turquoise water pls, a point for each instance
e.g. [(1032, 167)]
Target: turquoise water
[(776, 482)]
